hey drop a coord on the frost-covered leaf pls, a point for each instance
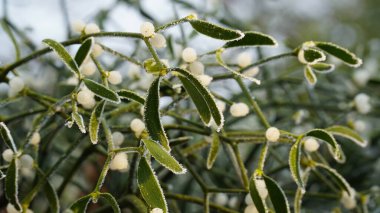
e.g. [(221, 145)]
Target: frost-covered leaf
[(347, 133), (163, 156), (310, 56), (7, 137), (310, 76), (328, 138), (338, 179), (215, 31), (214, 148), (101, 91), (152, 114), (257, 199), (84, 51), (52, 197), (11, 186), (323, 67), (252, 38), (130, 95), (339, 52), (206, 95), (295, 162), (96, 115), (112, 201), (78, 119), (198, 99), (60, 50), (276, 195), (81, 204), (149, 186)]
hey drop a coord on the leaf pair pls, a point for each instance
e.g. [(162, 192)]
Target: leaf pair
[(81, 204), (202, 98), (276, 195)]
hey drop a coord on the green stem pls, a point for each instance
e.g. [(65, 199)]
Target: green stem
[(243, 171), (263, 155), (171, 24), (152, 51)]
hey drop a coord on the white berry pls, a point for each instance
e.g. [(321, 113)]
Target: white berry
[(239, 109), (147, 29), (114, 77), (189, 55), (137, 126), (244, 59), (11, 209), (250, 209), (156, 210), (88, 68), (91, 28), (117, 138), (97, 50), (16, 84), (272, 134), (85, 97), (197, 68), (204, 79), (361, 77), (252, 72), (78, 26), (261, 188), (221, 199), (362, 103), (26, 161), (248, 199), (158, 41), (349, 202), (119, 162), (7, 155), (311, 145), (35, 139), (221, 105), (360, 125), (233, 202)]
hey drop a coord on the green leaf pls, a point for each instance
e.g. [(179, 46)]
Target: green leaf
[(207, 96), (7, 137), (252, 38), (78, 119), (276, 195), (111, 200), (101, 91), (215, 31), (328, 138), (311, 56), (95, 121), (11, 187), (295, 162), (337, 178), (323, 67), (198, 99), (81, 204), (347, 133), (130, 95), (163, 156), (341, 53), (60, 50), (52, 197), (152, 114), (149, 187), (310, 76), (257, 200), (84, 51), (213, 153)]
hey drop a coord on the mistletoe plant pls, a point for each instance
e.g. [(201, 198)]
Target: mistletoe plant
[(83, 118)]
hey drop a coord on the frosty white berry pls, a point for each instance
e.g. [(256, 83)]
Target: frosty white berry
[(91, 28), (7, 155), (86, 98), (119, 162), (204, 79), (137, 126), (117, 138), (272, 134), (26, 161), (97, 50), (250, 209), (248, 199), (244, 59), (311, 145), (158, 41), (221, 199), (88, 68), (221, 105), (362, 103), (16, 84), (156, 210), (35, 139), (78, 26), (252, 72), (189, 55), (197, 68), (114, 77), (348, 201), (239, 109), (147, 29)]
